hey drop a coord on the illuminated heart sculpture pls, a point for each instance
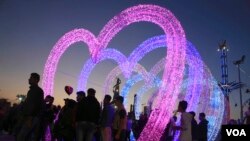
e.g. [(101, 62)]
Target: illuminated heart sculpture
[(173, 72), (198, 86), (193, 60)]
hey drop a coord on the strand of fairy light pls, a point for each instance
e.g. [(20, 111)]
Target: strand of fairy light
[(176, 51)]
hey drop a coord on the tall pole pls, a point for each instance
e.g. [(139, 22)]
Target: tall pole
[(224, 83), (238, 62), (241, 109), (135, 99)]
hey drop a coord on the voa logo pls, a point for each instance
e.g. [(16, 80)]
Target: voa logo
[(236, 132)]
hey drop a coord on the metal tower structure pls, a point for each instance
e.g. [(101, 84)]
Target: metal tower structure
[(224, 69), (226, 86)]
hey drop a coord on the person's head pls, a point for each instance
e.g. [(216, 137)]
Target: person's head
[(66, 101), (202, 116), (182, 106), (91, 92), (107, 99), (71, 103), (58, 107), (46, 99), (34, 78), (119, 100), (192, 113), (80, 95), (49, 99)]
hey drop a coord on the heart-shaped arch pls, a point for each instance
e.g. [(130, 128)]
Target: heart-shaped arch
[(126, 64), (195, 86), (193, 60), (175, 59)]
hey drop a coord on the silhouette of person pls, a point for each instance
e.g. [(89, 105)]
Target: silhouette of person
[(77, 114), (87, 115), (106, 120), (120, 120), (170, 131), (65, 130), (48, 117), (129, 126), (80, 95), (202, 127), (194, 127), (32, 109), (186, 118)]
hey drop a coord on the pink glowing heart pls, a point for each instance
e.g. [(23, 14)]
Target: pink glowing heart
[(173, 72)]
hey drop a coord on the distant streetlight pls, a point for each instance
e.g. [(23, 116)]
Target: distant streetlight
[(21, 97), (237, 63)]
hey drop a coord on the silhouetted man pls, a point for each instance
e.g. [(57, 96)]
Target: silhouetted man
[(88, 114), (120, 120), (186, 118), (33, 107), (202, 127), (107, 117)]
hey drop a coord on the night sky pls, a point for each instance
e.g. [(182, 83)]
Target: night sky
[(30, 29)]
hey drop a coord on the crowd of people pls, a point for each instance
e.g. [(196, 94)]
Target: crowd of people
[(85, 119), (37, 118)]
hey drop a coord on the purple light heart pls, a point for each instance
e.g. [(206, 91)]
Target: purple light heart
[(126, 65)]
